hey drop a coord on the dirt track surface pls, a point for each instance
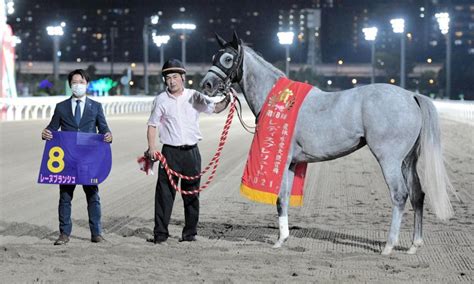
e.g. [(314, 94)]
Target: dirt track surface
[(337, 236)]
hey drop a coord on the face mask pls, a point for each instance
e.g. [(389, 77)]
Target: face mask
[(79, 90)]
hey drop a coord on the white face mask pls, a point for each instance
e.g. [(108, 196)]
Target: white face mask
[(79, 90)]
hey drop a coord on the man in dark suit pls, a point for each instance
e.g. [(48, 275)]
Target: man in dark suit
[(79, 114)]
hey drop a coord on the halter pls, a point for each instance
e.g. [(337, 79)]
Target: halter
[(230, 75)]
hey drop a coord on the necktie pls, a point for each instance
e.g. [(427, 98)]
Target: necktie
[(77, 113)]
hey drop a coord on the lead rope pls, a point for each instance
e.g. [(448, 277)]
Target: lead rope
[(248, 128), (212, 164)]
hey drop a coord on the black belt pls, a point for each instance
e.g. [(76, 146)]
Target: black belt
[(182, 147)]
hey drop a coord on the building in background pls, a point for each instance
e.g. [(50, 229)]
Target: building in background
[(327, 32), (306, 25), (333, 28)]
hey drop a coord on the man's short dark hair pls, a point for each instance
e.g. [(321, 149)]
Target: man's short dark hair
[(81, 72)]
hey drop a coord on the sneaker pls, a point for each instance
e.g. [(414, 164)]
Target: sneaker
[(97, 239), (62, 240)]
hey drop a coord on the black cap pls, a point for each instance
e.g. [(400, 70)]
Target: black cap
[(173, 66)]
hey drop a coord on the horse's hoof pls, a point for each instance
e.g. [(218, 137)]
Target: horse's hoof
[(412, 250), (415, 246), (387, 250), (279, 243)]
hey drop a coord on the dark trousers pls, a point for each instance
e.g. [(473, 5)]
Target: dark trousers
[(186, 162), (66, 193)]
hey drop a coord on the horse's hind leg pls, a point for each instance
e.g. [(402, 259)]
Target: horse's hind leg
[(417, 197), (398, 192), (283, 202)]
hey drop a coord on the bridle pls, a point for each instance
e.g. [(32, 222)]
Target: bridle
[(229, 75)]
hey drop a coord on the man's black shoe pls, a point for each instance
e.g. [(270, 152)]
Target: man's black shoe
[(62, 240), (156, 240), (188, 239), (97, 239)]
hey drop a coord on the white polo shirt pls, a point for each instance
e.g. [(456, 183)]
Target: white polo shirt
[(177, 118)]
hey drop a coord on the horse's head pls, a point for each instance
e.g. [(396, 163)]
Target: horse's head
[(226, 67)]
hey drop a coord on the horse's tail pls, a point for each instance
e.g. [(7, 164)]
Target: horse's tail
[(434, 179)]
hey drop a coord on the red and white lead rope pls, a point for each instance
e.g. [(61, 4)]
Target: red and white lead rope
[(212, 164)]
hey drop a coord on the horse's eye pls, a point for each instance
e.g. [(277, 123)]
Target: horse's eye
[(226, 60)]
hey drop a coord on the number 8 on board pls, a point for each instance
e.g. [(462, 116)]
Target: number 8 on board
[(56, 158)]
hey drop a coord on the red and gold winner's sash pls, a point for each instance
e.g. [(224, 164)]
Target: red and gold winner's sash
[(268, 154)]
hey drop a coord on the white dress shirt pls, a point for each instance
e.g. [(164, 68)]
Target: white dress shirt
[(177, 117), (81, 104)]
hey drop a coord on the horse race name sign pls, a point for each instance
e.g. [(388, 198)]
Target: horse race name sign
[(75, 158)]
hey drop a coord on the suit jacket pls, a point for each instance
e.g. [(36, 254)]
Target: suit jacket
[(92, 119)]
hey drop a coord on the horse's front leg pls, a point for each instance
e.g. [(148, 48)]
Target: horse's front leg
[(283, 202)]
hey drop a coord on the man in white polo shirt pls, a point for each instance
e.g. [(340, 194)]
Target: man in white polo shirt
[(175, 115)]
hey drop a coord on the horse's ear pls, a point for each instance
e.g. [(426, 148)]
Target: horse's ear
[(220, 41), (235, 41)]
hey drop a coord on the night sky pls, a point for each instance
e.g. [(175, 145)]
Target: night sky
[(257, 23)]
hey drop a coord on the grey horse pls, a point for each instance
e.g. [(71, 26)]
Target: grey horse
[(400, 128)]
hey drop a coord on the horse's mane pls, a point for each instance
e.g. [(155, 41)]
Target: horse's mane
[(263, 61)]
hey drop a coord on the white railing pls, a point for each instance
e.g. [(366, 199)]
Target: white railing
[(25, 108), (462, 111)]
